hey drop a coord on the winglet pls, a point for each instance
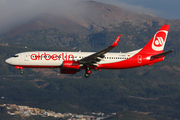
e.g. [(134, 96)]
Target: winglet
[(116, 41)]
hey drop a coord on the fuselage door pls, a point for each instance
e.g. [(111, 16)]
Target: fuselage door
[(139, 59), (26, 57)]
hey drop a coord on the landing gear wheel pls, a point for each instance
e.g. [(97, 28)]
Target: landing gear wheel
[(22, 72), (87, 75)]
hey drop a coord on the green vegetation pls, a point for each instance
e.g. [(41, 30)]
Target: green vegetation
[(82, 95)]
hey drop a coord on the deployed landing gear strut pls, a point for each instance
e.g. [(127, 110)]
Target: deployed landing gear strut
[(88, 72)]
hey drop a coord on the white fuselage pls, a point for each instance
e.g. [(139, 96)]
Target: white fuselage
[(55, 58)]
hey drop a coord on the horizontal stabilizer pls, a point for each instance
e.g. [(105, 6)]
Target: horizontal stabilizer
[(161, 54)]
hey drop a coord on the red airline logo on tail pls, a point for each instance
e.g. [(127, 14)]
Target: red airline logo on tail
[(159, 40)]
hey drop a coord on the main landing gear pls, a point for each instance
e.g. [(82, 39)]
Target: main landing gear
[(88, 72)]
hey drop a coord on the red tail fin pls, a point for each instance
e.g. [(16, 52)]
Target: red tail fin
[(157, 43)]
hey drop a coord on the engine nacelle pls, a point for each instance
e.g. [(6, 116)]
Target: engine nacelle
[(71, 65)]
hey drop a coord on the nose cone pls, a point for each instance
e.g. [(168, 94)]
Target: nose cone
[(8, 61)]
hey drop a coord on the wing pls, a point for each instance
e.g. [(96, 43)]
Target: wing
[(96, 57)]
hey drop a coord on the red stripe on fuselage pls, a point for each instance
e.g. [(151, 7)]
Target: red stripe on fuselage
[(129, 63)]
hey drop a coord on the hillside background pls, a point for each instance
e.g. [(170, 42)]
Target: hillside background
[(154, 89)]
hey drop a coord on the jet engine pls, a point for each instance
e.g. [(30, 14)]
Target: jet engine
[(71, 65)]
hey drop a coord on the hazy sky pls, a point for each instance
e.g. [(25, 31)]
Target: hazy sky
[(16, 12), (163, 8)]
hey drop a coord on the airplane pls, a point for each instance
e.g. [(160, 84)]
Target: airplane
[(73, 62)]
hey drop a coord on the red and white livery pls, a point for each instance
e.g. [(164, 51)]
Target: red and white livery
[(73, 62)]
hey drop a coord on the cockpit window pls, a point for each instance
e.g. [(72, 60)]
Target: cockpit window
[(16, 55)]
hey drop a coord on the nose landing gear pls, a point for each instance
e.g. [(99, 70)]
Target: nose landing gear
[(21, 68), (22, 72)]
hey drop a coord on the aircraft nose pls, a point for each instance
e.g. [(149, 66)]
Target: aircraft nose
[(8, 61)]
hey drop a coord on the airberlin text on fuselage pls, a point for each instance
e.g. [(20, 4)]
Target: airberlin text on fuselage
[(45, 56)]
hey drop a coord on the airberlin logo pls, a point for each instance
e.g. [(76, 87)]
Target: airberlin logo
[(55, 57), (159, 40)]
